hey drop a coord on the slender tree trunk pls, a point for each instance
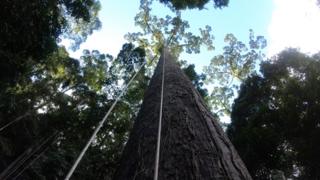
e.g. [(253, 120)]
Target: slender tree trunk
[(193, 145)]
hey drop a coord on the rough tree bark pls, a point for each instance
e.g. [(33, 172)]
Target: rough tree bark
[(193, 145)]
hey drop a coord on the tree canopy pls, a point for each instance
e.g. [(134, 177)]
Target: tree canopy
[(275, 122), (228, 69), (30, 31)]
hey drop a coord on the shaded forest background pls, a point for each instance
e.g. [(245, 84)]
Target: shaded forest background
[(50, 102)]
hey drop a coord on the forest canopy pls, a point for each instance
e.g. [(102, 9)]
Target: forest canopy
[(50, 103), (275, 119)]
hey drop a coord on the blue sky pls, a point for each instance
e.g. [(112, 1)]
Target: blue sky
[(118, 18), (284, 23)]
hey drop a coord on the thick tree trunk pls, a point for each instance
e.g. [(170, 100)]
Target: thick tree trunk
[(193, 145)]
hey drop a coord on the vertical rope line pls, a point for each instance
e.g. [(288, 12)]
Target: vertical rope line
[(156, 168), (76, 163)]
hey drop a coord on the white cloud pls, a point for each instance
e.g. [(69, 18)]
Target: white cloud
[(294, 23)]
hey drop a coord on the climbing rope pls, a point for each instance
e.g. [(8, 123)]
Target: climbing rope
[(76, 163), (28, 113), (34, 160), (156, 168), (25, 159)]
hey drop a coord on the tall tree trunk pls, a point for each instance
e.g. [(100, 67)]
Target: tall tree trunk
[(193, 145)]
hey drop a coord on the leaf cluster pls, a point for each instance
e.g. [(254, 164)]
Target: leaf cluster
[(227, 69)]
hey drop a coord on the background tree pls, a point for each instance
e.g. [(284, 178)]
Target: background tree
[(227, 70), (196, 79), (275, 125), (35, 71), (30, 31), (74, 97)]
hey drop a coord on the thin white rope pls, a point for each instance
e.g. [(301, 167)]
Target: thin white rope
[(76, 163), (15, 120), (156, 168), (28, 113), (19, 162), (34, 160)]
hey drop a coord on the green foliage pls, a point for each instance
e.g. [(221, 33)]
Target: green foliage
[(231, 67), (183, 4), (82, 18), (30, 31), (95, 69), (71, 97), (196, 79), (275, 124), (167, 31)]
